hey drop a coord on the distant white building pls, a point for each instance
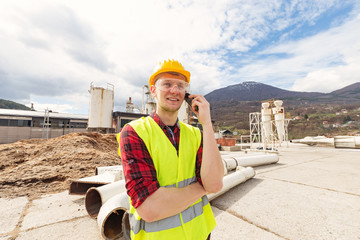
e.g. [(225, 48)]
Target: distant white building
[(22, 124)]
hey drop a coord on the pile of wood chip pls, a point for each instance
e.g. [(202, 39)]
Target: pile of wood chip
[(34, 167)]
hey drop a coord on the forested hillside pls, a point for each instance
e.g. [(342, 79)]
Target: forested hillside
[(312, 114), (6, 104)]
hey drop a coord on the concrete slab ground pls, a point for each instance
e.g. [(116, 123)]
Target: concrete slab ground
[(11, 212), (53, 208), (230, 227), (77, 228), (311, 193)]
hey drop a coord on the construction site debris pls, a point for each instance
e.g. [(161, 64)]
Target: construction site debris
[(34, 167)]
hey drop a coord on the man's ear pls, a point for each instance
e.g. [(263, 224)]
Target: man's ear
[(153, 90)]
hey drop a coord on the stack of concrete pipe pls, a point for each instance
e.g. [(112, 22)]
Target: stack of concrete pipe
[(347, 141), (233, 179), (230, 163), (319, 140), (103, 176), (110, 203)]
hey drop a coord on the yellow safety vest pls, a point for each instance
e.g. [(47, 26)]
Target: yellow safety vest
[(173, 170)]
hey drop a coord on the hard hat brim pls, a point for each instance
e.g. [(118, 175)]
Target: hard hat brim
[(185, 73)]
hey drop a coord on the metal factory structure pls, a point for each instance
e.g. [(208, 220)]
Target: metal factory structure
[(148, 103), (269, 128)]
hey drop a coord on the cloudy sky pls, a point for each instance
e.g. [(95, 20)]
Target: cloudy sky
[(50, 51)]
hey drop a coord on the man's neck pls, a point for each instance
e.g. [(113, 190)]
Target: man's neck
[(168, 118)]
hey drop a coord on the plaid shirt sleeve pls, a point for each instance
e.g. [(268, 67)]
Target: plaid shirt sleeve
[(199, 161), (139, 169)]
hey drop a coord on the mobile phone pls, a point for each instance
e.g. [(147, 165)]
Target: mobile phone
[(189, 101)]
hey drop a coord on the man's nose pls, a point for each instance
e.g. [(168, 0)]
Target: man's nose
[(172, 89)]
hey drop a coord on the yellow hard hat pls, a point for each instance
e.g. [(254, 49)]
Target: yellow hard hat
[(169, 66)]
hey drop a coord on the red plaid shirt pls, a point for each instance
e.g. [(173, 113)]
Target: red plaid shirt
[(139, 169)]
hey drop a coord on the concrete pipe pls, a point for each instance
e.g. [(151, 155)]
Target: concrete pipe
[(233, 179), (319, 140), (347, 141), (256, 160), (81, 185), (96, 196), (126, 226), (116, 170), (111, 216), (230, 163), (357, 141)]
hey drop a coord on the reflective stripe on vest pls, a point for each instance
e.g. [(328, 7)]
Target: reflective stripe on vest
[(170, 222), (183, 183)]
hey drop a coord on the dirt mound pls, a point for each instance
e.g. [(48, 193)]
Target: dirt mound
[(37, 166)]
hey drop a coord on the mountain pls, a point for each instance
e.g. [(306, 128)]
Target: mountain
[(352, 91), (6, 104), (231, 105), (254, 91)]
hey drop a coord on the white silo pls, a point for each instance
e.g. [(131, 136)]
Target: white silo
[(183, 113), (279, 117), (266, 121), (148, 101), (101, 107)]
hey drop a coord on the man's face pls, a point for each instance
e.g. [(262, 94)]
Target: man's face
[(169, 91)]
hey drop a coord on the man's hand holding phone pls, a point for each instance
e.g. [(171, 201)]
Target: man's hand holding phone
[(200, 106), (189, 101)]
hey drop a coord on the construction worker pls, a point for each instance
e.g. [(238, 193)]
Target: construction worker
[(170, 166)]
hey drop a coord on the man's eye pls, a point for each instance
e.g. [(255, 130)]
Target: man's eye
[(167, 84), (181, 86)]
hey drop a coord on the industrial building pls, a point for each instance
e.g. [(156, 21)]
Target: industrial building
[(122, 118), (22, 124)]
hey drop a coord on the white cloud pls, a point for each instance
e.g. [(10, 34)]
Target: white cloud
[(57, 48), (323, 62), (335, 59), (330, 79)]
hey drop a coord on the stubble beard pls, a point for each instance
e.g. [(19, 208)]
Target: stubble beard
[(168, 109)]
